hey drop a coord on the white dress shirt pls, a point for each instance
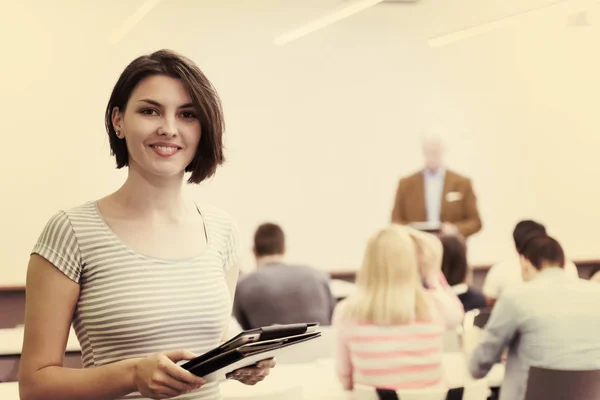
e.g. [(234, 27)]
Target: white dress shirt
[(434, 190), (507, 274), (550, 322)]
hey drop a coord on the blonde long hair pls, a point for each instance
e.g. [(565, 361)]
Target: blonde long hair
[(389, 286)]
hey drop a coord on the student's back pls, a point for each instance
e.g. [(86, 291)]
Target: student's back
[(389, 331), (278, 293), (549, 321)]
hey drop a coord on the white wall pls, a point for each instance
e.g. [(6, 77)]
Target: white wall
[(319, 131)]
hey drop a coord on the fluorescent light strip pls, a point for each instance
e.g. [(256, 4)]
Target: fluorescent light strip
[(132, 21), (467, 33), (324, 21)]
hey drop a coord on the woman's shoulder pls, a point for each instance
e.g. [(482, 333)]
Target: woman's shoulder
[(216, 214), (65, 216)]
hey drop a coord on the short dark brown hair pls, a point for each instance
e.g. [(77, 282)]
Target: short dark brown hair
[(205, 99), (454, 259), (269, 240), (540, 250), (526, 229)]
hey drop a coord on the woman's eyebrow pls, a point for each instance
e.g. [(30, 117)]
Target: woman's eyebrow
[(157, 104), (149, 101)]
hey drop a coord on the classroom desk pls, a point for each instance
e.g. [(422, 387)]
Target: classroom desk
[(341, 289), (9, 391), (317, 380), (11, 343)]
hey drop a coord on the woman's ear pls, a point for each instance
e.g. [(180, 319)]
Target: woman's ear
[(117, 121)]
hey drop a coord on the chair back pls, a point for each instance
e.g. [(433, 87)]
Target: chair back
[(551, 384)]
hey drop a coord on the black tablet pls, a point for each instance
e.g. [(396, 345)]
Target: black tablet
[(249, 347)]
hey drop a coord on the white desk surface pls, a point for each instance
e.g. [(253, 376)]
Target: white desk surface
[(317, 380), (11, 342), (9, 391), (341, 289)]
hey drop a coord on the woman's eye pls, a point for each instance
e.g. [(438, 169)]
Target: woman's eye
[(188, 115), (148, 111)]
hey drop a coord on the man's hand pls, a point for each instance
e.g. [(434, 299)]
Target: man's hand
[(449, 229)]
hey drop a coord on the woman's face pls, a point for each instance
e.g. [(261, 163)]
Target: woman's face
[(160, 126)]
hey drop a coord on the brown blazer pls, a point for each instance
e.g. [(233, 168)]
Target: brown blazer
[(459, 208)]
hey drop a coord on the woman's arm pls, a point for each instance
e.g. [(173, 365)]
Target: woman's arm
[(445, 300), (51, 300)]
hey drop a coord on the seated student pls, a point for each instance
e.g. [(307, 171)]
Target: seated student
[(551, 321), (595, 275), (280, 293), (389, 332), (454, 267), (507, 273)]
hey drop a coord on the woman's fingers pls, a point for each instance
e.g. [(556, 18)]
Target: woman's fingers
[(270, 363), (176, 372)]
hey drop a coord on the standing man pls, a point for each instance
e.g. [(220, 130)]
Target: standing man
[(437, 196)]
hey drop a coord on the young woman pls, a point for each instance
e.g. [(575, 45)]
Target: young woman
[(390, 330), (145, 276)]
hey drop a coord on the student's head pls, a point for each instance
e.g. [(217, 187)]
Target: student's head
[(595, 275), (454, 260), (539, 253), (389, 288), (269, 240), (164, 118), (526, 229), (433, 149)]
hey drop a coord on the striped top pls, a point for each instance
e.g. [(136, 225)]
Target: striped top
[(132, 305), (397, 357)]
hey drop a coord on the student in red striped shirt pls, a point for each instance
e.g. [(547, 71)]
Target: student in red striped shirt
[(389, 332)]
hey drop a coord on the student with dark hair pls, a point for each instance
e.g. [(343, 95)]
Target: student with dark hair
[(455, 268), (145, 275), (550, 321), (507, 273), (278, 292)]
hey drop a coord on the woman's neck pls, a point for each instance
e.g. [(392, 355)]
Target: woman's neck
[(153, 196)]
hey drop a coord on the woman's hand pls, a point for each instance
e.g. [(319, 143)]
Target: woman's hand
[(159, 377), (253, 375)]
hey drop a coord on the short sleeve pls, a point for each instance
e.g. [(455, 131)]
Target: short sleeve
[(492, 283), (58, 244), (571, 270), (232, 252)]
